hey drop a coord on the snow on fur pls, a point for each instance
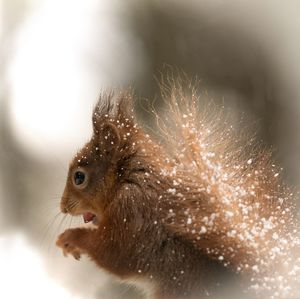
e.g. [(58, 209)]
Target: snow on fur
[(226, 196)]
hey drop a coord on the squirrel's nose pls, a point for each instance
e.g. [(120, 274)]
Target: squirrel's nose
[(64, 202), (64, 210)]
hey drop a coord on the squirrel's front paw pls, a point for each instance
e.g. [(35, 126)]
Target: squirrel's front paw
[(67, 242)]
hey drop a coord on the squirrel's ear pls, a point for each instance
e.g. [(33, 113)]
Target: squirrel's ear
[(125, 106), (102, 111), (109, 140)]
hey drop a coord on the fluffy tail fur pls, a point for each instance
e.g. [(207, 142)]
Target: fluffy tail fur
[(225, 195)]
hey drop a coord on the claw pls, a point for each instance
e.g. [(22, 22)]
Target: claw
[(65, 243)]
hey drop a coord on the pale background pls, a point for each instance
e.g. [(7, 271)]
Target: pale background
[(55, 58)]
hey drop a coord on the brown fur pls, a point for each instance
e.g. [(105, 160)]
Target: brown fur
[(166, 214)]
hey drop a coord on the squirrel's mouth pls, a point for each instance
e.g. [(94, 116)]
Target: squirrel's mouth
[(90, 217)]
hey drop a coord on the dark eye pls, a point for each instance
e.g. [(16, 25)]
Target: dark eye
[(79, 177)]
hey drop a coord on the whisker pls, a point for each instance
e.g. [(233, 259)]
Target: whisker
[(50, 233), (70, 221), (46, 229), (72, 205), (61, 222), (56, 232)]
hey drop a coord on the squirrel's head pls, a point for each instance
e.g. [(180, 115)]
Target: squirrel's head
[(97, 169)]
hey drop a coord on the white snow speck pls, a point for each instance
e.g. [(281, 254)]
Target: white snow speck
[(171, 190)]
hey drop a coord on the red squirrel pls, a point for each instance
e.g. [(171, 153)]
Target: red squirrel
[(177, 212)]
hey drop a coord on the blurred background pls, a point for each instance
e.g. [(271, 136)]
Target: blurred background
[(55, 58)]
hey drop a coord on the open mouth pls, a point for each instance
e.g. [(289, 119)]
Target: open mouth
[(90, 217)]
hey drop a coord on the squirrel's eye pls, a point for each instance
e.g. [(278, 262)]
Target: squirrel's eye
[(79, 177)]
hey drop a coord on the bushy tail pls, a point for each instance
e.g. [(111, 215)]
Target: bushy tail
[(227, 195)]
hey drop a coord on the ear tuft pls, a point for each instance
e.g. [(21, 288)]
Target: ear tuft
[(109, 140), (111, 106), (105, 108), (125, 105)]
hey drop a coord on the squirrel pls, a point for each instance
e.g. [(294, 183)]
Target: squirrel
[(179, 212)]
